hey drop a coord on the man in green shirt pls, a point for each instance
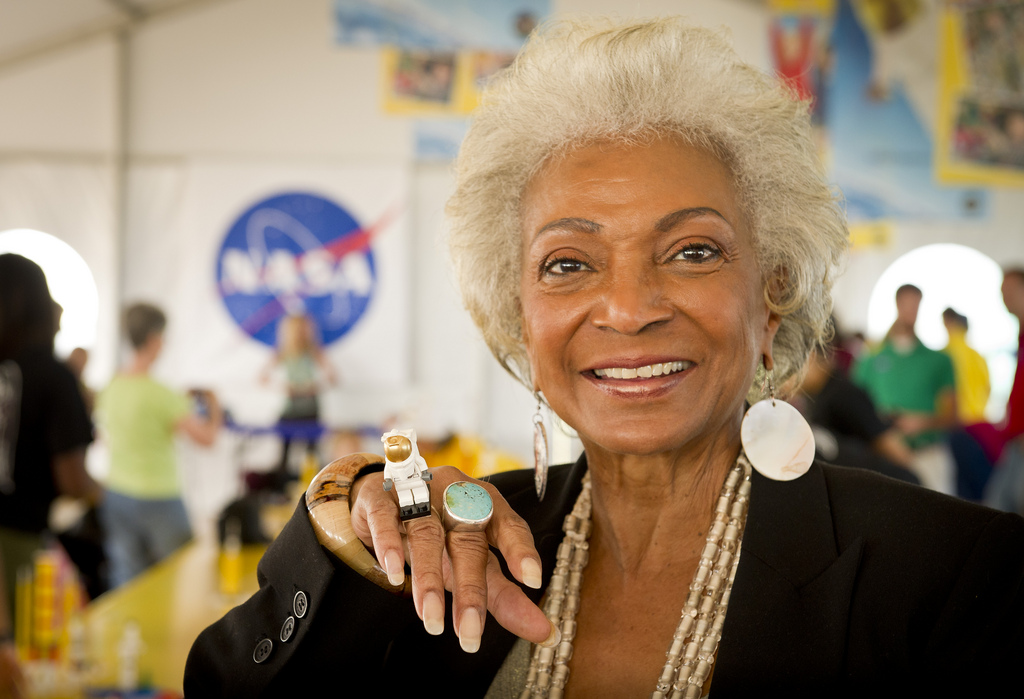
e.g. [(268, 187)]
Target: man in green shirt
[(915, 387), (143, 514)]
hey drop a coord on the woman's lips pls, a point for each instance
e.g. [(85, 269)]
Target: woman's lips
[(645, 371)]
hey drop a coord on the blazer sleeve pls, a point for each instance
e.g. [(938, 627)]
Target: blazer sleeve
[(981, 625), (306, 600)]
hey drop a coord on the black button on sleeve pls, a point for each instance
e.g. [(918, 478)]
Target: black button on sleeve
[(263, 650), (287, 629), (300, 604)]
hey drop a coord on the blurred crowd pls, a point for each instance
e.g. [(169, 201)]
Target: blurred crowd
[(896, 407), (919, 414), (136, 517)]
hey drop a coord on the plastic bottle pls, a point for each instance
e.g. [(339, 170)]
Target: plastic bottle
[(129, 648)]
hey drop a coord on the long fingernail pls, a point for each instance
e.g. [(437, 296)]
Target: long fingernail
[(531, 573), (554, 637), (470, 629), (433, 614), (395, 569)]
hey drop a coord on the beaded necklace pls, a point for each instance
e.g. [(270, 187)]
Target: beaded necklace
[(695, 641)]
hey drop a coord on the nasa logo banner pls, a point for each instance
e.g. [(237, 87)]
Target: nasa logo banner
[(296, 252)]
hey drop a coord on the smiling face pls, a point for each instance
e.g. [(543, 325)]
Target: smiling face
[(643, 311)]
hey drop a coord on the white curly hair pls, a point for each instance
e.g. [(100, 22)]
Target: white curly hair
[(587, 79)]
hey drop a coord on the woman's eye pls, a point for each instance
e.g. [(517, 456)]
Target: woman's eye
[(698, 252), (564, 266)]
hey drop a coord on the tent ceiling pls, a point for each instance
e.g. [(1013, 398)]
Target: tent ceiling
[(30, 28)]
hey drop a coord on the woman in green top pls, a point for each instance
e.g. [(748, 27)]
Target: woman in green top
[(143, 514)]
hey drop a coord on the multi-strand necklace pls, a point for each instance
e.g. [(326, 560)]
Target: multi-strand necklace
[(696, 638)]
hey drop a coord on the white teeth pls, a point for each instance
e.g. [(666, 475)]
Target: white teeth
[(643, 372)]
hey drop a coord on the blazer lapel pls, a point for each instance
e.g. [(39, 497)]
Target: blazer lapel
[(786, 625)]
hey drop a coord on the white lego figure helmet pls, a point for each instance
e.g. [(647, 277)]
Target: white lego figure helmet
[(406, 471)]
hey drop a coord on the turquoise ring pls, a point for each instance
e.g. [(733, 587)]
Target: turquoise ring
[(467, 507)]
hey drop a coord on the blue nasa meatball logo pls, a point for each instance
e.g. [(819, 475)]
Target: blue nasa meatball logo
[(296, 253)]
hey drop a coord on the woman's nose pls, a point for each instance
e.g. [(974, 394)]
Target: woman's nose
[(631, 300)]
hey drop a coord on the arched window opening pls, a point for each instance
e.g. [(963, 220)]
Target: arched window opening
[(966, 280), (70, 280)]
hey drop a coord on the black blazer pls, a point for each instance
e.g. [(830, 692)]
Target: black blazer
[(849, 584)]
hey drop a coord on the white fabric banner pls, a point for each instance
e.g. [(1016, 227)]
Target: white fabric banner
[(71, 201), (179, 220)]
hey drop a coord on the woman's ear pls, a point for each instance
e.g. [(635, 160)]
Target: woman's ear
[(771, 327), (774, 292)]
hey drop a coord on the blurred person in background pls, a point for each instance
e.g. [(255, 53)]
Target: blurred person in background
[(143, 514), (973, 467), (914, 386), (847, 429), (12, 681), (1005, 490), (45, 426), (299, 353), (846, 349), (970, 370), (76, 362)]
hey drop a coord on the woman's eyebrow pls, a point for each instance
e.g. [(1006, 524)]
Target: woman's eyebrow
[(670, 221), (580, 225)]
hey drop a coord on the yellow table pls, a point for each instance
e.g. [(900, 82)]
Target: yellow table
[(172, 603)]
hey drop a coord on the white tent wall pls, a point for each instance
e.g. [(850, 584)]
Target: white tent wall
[(63, 102), (261, 84), (58, 126)]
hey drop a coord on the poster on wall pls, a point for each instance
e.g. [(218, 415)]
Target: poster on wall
[(438, 25), (298, 253), (438, 53), (865, 65), (437, 83), (231, 250), (981, 138), (799, 41), (438, 140)]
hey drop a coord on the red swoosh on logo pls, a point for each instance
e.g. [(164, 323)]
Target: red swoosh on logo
[(338, 248)]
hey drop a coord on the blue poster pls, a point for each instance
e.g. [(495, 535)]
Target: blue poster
[(296, 253), (881, 153), (491, 25)]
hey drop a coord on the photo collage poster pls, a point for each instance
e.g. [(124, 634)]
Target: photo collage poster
[(868, 69), (436, 57), (982, 93)]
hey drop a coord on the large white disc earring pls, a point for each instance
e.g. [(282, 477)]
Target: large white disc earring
[(540, 452), (776, 438)]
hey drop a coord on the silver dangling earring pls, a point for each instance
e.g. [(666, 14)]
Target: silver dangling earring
[(776, 438), (540, 451)]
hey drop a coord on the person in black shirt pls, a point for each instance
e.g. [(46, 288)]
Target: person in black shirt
[(44, 426), (848, 430)]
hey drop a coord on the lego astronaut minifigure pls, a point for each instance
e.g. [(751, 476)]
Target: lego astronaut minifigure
[(406, 471)]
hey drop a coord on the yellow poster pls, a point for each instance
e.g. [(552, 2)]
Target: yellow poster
[(428, 83), (980, 130)]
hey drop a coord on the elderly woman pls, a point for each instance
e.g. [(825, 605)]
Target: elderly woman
[(644, 236)]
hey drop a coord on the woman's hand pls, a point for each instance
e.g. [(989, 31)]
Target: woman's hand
[(458, 561)]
